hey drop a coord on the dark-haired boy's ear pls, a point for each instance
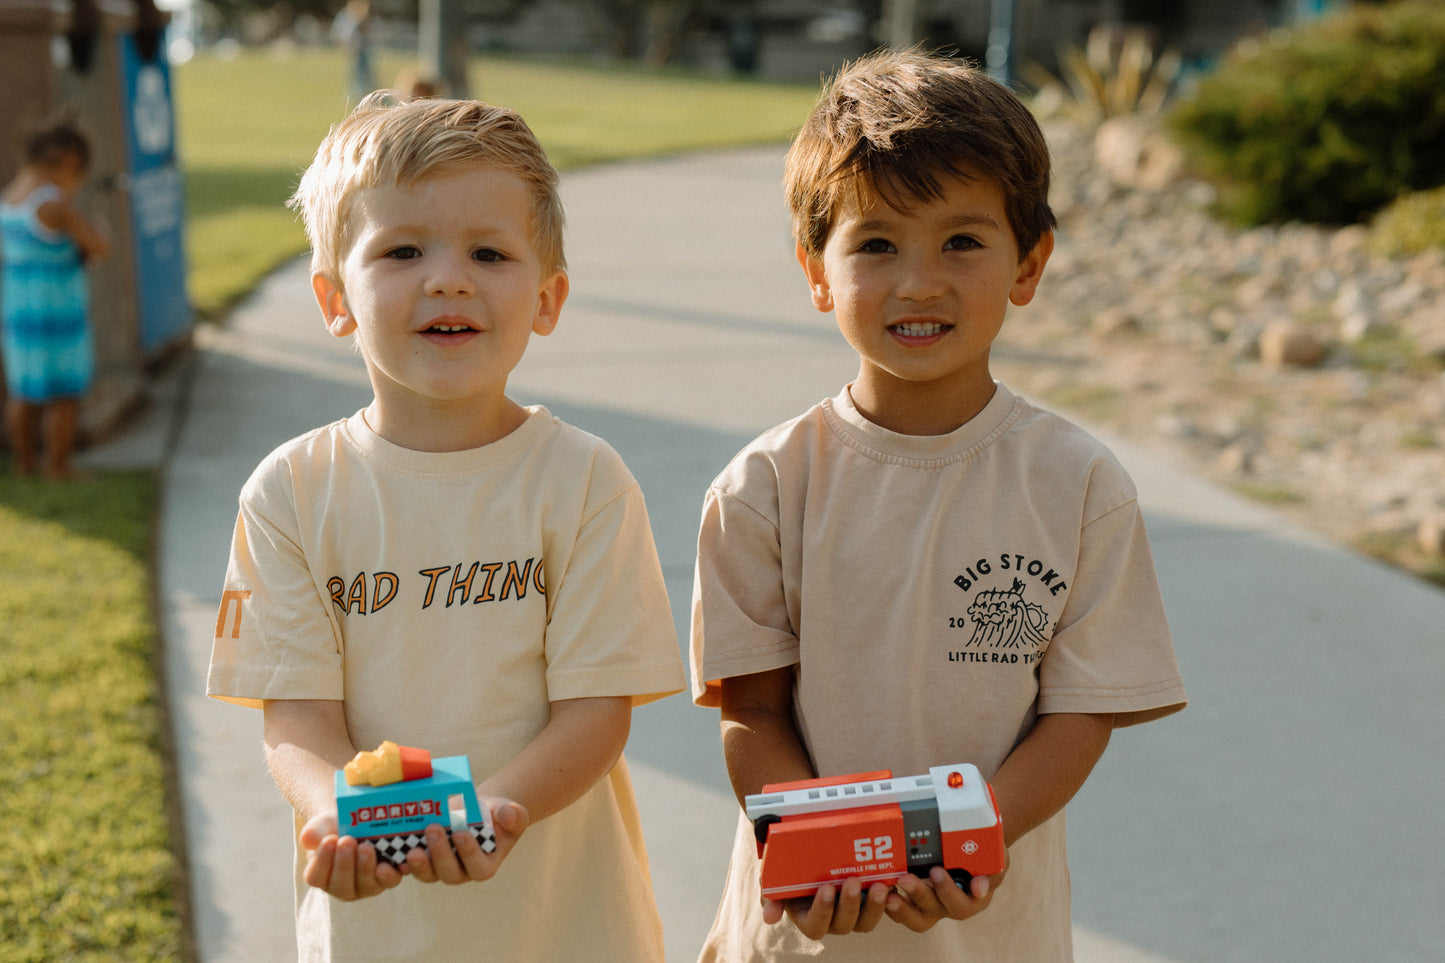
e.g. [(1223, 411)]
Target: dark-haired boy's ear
[(817, 279), (332, 302), (550, 298), (1031, 270)]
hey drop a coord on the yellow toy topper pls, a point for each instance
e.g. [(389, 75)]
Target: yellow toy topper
[(388, 763)]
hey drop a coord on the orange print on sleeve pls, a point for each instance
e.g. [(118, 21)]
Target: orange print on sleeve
[(238, 596)]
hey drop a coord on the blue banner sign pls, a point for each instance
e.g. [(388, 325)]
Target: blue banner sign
[(157, 197)]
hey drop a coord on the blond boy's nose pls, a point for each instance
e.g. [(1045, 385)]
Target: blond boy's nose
[(450, 277)]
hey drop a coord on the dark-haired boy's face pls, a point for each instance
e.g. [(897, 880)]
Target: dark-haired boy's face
[(921, 293)]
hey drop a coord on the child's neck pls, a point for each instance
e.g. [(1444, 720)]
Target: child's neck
[(910, 408), (444, 429)]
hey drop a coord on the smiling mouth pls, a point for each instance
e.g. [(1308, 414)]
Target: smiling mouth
[(919, 329)]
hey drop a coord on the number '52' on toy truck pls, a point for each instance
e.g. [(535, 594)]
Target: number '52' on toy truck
[(389, 796), (875, 828)]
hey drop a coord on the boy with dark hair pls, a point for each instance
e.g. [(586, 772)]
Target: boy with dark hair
[(925, 569)]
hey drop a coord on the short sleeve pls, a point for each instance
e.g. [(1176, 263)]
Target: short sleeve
[(1112, 651), (610, 629), (740, 616), (274, 637)]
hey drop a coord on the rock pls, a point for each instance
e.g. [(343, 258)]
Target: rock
[(1402, 299), (1431, 535), (1433, 347), (1286, 344), (1257, 290), (1351, 300), (1349, 240), (1115, 322), (1354, 328), (1135, 153), (1237, 459)]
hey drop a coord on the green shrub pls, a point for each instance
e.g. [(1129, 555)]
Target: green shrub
[(1327, 124), (1411, 224)]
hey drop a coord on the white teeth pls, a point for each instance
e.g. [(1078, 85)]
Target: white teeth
[(917, 329), (449, 328)]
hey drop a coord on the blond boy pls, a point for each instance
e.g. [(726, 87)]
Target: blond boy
[(449, 569), (924, 569)]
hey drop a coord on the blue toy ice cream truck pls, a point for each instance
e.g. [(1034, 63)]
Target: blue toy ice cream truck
[(387, 797)]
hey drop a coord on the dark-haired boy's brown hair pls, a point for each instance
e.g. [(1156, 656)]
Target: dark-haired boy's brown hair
[(894, 124)]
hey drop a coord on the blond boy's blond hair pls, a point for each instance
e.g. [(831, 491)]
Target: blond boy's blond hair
[(386, 143), (894, 123)]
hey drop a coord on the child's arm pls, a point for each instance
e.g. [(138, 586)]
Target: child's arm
[(306, 742), (61, 215), (760, 742), (761, 745), (1037, 779), (580, 744)]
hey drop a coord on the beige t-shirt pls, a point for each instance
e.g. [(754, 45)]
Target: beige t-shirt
[(447, 599), (934, 594)]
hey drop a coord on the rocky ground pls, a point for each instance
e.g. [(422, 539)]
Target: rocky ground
[(1288, 363)]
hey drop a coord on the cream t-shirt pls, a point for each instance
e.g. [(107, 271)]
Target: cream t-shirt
[(934, 594), (447, 598)]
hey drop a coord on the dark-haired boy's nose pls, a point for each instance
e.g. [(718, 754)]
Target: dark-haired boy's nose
[(918, 279)]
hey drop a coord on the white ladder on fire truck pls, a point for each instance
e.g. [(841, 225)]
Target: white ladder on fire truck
[(958, 791)]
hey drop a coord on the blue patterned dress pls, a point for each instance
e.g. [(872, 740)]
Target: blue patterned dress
[(44, 337)]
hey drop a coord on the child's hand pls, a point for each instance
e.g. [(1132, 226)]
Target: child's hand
[(925, 902), (458, 858), (845, 909), (340, 866)]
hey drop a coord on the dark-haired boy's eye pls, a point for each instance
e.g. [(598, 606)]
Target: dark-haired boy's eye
[(876, 245), (961, 242)]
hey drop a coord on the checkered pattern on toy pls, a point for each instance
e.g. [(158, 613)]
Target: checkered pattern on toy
[(393, 849)]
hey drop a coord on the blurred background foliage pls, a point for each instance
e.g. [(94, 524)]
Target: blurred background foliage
[(243, 155), (1326, 123)]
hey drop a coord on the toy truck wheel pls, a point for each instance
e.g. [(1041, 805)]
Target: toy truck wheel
[(962, 877), (760, 827)]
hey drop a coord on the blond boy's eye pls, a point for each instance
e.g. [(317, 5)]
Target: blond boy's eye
[(404, 253), (876, 245), (488, 254)]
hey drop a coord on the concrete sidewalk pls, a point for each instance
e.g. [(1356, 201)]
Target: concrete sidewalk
[(1291, 813)]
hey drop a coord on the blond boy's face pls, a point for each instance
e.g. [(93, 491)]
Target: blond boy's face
[(443, 288), (920, 295)]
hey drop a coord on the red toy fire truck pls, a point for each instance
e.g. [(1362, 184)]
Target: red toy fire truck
[(875, 828)]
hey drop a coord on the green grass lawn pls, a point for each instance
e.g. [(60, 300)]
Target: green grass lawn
[(89, 872), (249, 126)]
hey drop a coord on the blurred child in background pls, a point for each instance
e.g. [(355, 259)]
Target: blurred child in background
[(45, 246)]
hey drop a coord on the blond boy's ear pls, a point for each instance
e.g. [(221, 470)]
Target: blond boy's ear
[(817, 279), (332, 302), (1031, 270), (550, 298)]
